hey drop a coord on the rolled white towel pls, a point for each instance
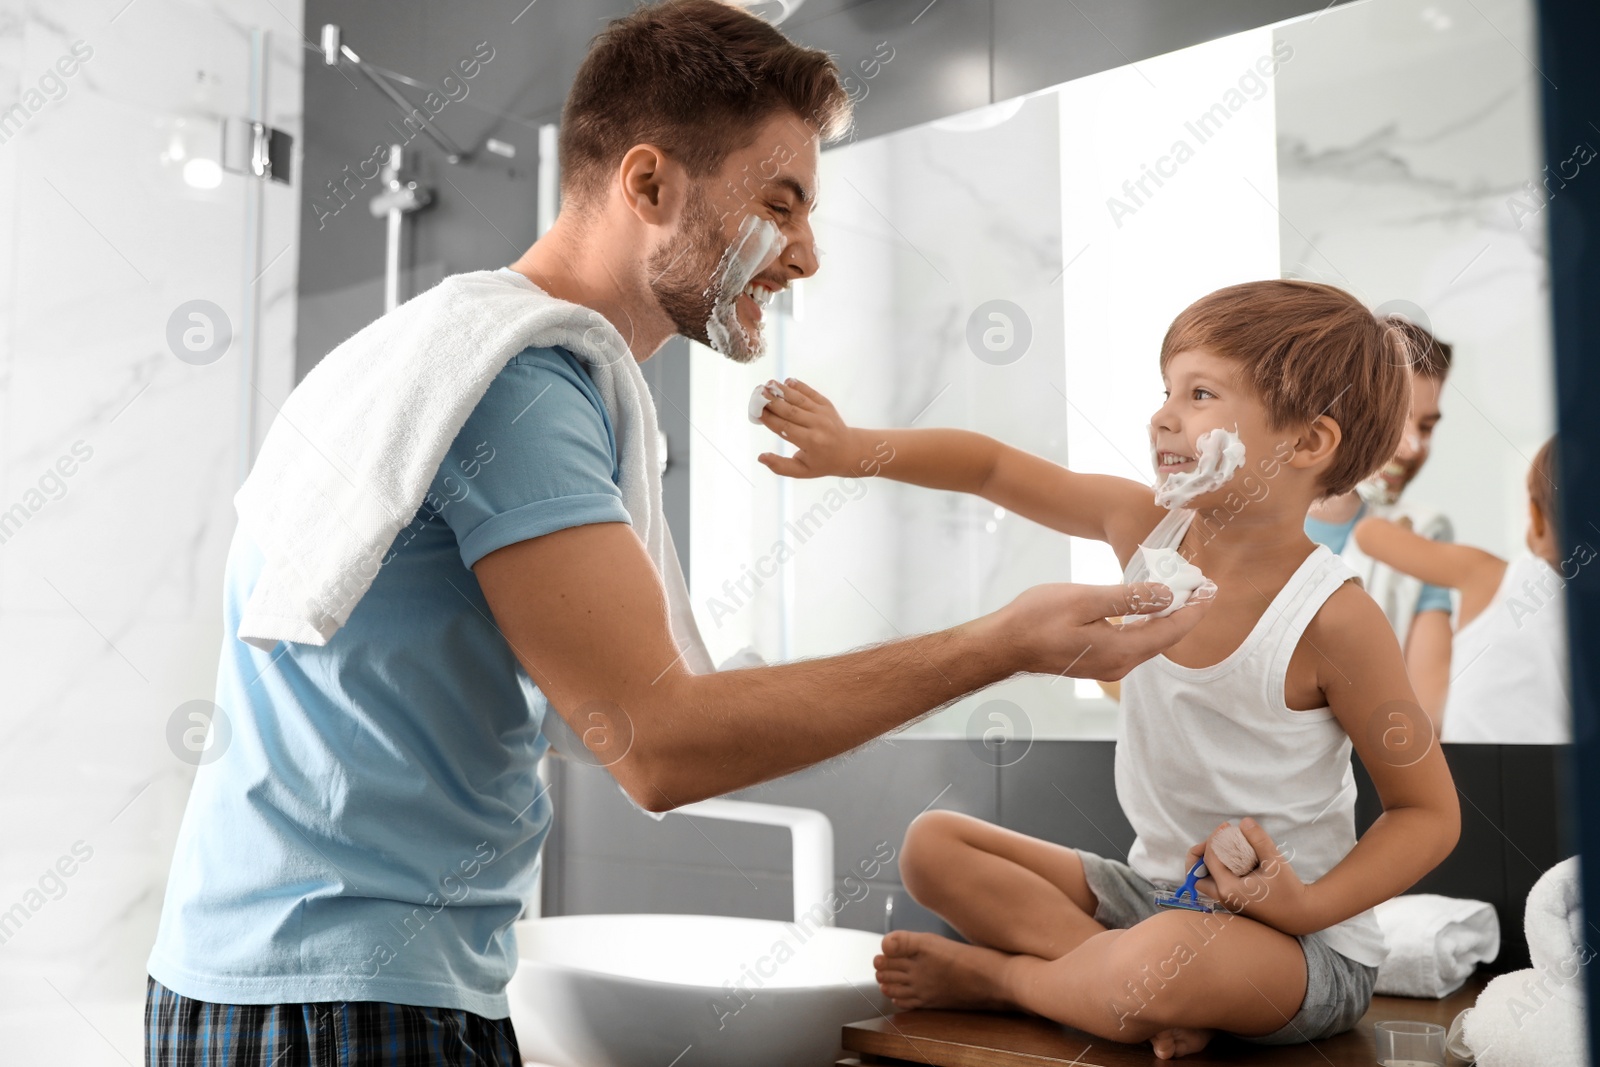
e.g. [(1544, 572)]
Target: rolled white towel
[(1535, 1017), (1554, 925), (1434, 943), (1521, 1020)]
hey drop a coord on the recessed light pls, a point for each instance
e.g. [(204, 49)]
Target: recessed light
[(202, 173), (773, 11)]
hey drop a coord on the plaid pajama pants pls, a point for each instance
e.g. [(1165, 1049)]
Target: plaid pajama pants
[(180, 1032)]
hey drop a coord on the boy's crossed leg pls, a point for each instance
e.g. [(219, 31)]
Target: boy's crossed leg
[(1171, 979), (998, 888)]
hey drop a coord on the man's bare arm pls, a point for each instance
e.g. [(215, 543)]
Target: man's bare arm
[(585, 613)]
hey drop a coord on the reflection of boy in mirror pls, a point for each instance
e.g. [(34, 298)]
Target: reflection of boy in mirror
[(1419, 612), (1254, 714), (1512, 687)]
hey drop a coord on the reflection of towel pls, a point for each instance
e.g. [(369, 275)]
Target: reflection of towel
[(352, 452), (1434, 943), (1535, 1018)]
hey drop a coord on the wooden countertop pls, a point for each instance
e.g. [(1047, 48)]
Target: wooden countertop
[(986, 1039)]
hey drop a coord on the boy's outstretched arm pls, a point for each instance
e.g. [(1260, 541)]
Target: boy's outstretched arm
[(1361, 673), (1097, 506), (1441, 563)]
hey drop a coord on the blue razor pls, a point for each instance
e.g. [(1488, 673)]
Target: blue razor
[(1187, 897)]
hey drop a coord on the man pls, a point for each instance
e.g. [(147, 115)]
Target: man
[(1419, 613), (348, 870)]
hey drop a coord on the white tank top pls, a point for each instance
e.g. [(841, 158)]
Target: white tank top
[(1508, 665), (1197, 746)]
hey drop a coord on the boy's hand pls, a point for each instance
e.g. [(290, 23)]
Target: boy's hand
[(808, 420), (1271, 894)]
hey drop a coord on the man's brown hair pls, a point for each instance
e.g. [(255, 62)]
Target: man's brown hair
[(696, 78), (1425, 353), (1308, 349)]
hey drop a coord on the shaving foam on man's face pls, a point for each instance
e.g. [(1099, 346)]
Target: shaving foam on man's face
[(1384, 487), (734, 325), (699, 278)]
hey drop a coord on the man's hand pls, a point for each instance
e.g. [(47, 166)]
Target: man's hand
[(809, 421), (1065, 629)]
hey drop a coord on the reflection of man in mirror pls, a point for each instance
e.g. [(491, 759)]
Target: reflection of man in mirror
[(1419, 613)]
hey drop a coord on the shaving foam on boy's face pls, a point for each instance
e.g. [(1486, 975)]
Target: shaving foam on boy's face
[(1218, 456), (757, 244), (1195, 442)]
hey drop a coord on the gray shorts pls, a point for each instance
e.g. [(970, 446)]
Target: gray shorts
[(1338, 989)]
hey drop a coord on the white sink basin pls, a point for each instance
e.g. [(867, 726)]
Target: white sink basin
[(659, 990)]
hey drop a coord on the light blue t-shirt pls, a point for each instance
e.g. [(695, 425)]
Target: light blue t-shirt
[(1337, 534), (371, 829)]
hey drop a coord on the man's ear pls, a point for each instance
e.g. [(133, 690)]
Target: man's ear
[(1317, 443), (651, 183), (1536, 519)]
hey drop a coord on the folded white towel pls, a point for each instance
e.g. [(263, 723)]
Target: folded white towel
[(1535, 1017), (351, 454), (1434, 943)]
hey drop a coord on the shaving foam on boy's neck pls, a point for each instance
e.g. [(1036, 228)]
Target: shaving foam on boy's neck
[(1221, 454)]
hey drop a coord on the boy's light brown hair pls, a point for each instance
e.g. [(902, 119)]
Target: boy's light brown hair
[(1309, 349), (695, 78), (1542, 482)]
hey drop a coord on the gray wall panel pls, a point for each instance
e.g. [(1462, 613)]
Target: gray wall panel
[(1040, 43)]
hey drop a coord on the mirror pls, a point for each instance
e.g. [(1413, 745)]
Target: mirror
[(1012, 271)]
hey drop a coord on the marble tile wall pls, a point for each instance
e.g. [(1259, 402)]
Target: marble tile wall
[(118, 462)]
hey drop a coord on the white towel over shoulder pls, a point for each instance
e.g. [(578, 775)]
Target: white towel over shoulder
[(350, 456)]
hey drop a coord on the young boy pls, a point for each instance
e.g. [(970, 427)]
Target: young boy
[(1510, 644), (1253, 714)]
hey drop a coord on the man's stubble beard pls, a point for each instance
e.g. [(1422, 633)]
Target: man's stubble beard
[(683, 282)]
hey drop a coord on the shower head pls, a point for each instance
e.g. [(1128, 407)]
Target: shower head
[(335, 51), (773, 11)]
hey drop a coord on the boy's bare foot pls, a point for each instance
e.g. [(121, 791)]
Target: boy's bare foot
[(1170, 1044), (928, 971)]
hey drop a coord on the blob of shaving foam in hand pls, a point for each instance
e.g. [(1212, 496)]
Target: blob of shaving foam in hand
[(759, 242), (764, 394), (1221, 455), (1234, 850), (1164, 565)]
